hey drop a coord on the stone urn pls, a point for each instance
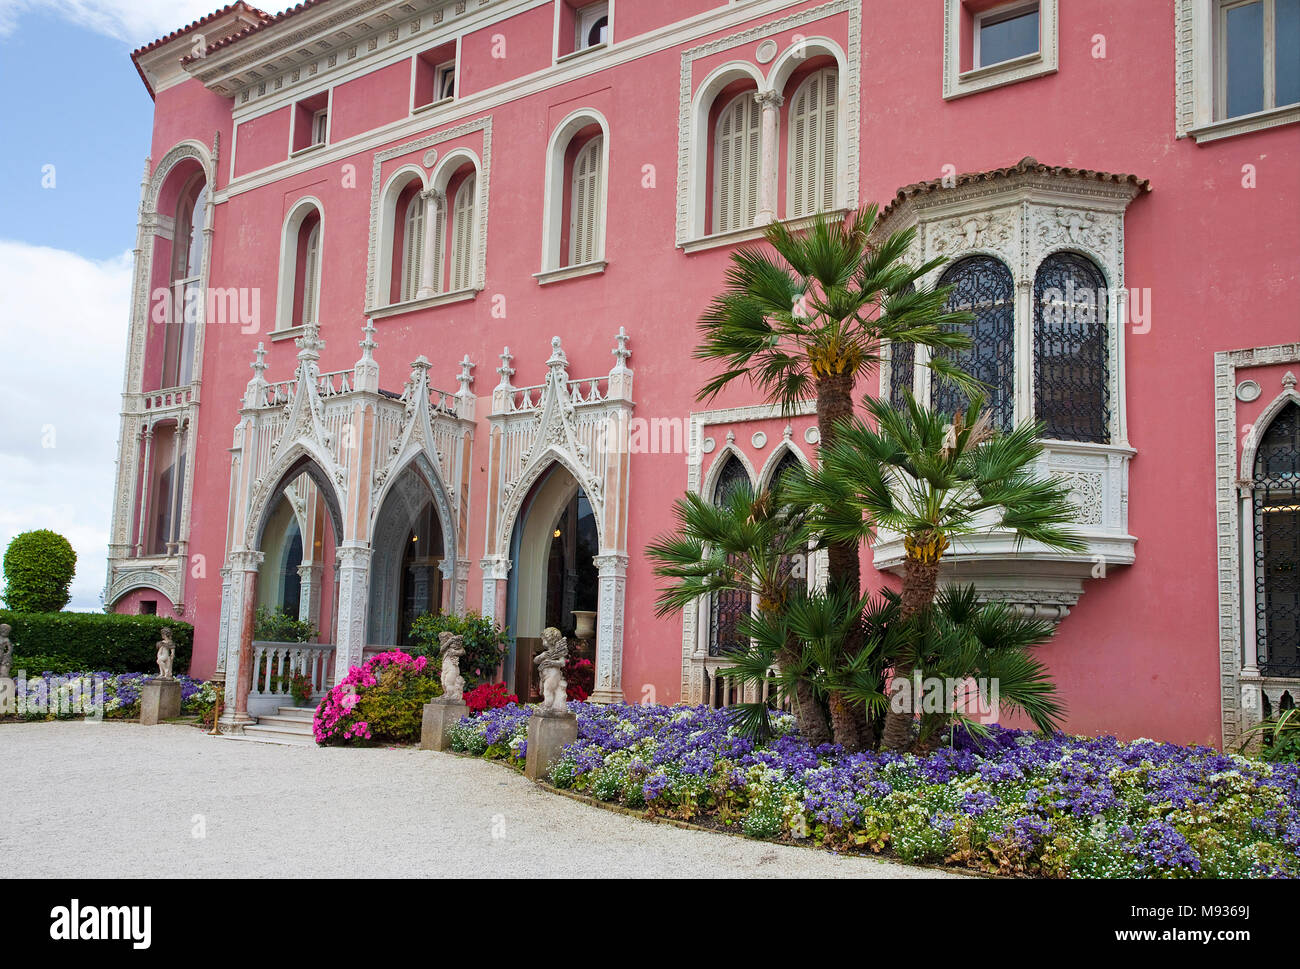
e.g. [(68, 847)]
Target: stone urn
[(584, 624)]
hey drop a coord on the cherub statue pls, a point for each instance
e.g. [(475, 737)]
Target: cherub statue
[(166, 654), (6, 651), (451, 648), (550, 671)]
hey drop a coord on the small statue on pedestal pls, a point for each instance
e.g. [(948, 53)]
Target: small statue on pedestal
[(166, 654), (6, 651), (550, 671), (451, 648)]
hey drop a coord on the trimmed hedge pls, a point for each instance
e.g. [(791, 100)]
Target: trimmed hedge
[(67, 642)]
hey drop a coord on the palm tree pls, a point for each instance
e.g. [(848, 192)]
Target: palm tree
[(747, 543), (932, 478), (806, 316)]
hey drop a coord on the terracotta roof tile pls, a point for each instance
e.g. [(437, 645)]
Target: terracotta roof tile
[(267, 21), (1026, 165), (238, 7)]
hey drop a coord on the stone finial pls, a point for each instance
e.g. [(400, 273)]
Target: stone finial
[(505, 370), (368, 345), (258, 381), (309, 344), (558, 360), (466, 377), (621, 353), (366, 377)]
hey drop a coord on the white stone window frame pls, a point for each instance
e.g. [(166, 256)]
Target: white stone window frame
[(695, 134), (1241, 684), (1021, 221), (1198, 75), (554, 215), (704, 452), (959, 84), (440, 168), (285, 325)]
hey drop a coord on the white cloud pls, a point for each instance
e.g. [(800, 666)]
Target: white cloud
[(136, 22), (63, 328)]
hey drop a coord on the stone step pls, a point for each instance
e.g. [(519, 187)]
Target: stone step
[(274, 734), (286, 724), (305, 714)]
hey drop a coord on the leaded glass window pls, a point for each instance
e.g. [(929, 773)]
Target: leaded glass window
[(1071, 362), (982, 285), (1277, 545), (729, 605)]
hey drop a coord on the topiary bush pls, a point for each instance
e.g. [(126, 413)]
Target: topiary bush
[(485, 643), (39, 567), (63, 642)]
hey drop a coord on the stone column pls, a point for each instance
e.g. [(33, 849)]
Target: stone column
[(609, 627), (434, 205), (310, 592), (495, 573), (239, 639), (1023, 351), (770, 101), (352, 565), (146, 474)]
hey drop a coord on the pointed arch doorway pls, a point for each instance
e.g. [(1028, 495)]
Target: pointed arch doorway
[(554, 574)]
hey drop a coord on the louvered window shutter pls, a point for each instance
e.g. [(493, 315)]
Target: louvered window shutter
[(737, 150), (462, 252), (311, 272), (413, 247), (813, 131), (585, 215)]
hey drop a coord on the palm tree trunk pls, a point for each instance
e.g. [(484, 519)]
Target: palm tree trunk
[(920, 583), (809, 716)]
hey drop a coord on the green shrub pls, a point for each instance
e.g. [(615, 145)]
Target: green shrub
[(277, 626), (62, 642), (485, 643), (394, 707), (39, 567)]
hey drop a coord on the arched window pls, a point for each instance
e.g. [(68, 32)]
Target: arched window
[(462, 236), (982, 285), (788, 464), (813, 136), (902, 363), (585, 218), (187, 266), (311, 275), (737, 164), (1071, 365), (727, 607), (413, 232), (300, 267), (1277, 545)]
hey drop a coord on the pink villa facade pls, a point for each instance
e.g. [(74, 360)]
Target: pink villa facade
[(463, 246)]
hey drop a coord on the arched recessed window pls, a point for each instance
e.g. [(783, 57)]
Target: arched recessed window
[(902, 363), (186, 285), (737, 164), (814, 130), (728, 606), (1277, 545), (413, 234), (586, 218), (463, 235), (300, 267), (982, 286), (1071, 363)]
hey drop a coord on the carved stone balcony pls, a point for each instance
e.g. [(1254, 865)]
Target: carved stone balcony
[(1041, 581)]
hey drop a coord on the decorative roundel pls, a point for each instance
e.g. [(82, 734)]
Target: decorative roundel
[(708, 445), (430, 157), (758, 440), (812, 435), (1247, 391), (766, 51)]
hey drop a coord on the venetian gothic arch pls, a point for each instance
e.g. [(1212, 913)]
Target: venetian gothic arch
[(580, 426), (360, 448)]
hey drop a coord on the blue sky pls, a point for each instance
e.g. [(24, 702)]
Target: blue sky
[(71, 99)]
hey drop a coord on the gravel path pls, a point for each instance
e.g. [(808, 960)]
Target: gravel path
[(117, 799)]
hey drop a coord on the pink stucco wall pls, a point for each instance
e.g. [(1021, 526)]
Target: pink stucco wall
[(1139, 654)]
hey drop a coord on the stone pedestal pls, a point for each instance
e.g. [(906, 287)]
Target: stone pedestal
[(440, 715), (548, 734), (160, 700)]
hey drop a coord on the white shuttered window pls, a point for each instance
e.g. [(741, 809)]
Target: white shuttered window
[(737, 164), (311, 276), (412, 247), (462, 236), (584, 207), (813, 134)]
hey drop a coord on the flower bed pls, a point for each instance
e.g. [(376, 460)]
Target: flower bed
[(1014, 803), (380, 700), (68, 696)]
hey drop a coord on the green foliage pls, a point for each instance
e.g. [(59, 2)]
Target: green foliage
[(485, 643), (394, 707), (277, 626), (39, 567), (1281, 737), (62, 642)]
